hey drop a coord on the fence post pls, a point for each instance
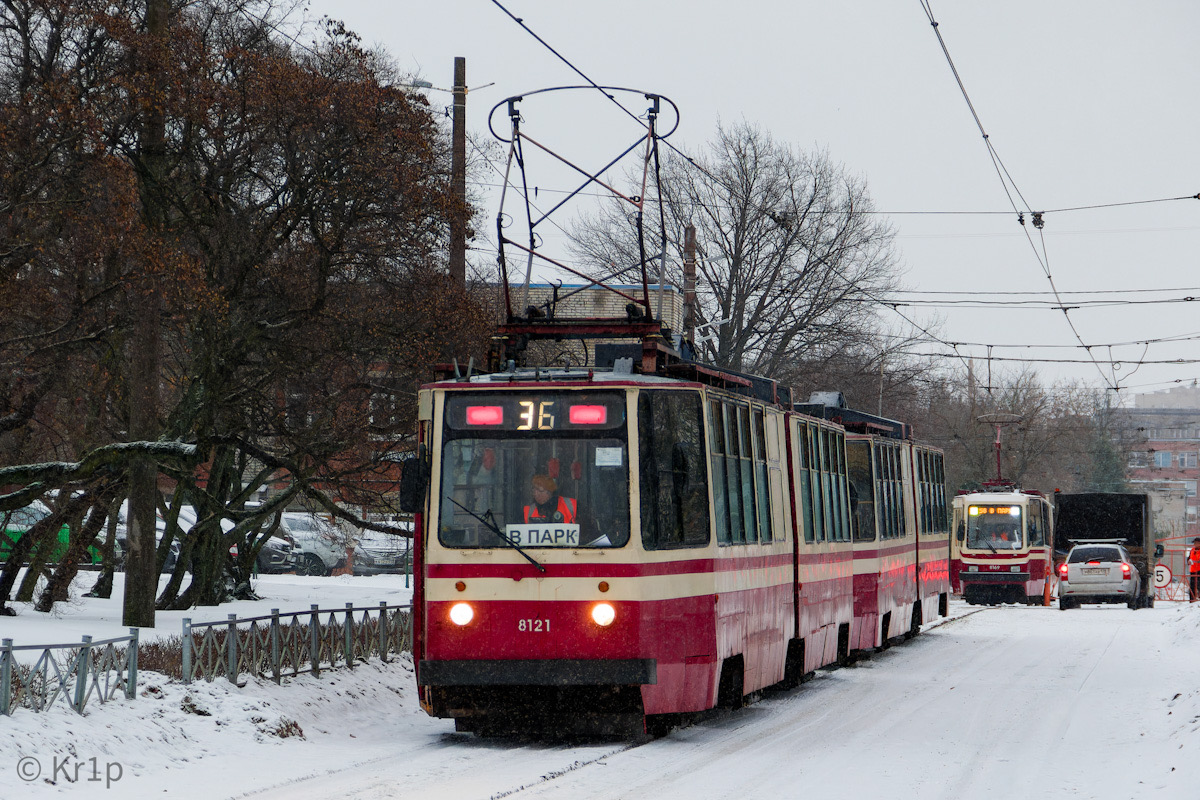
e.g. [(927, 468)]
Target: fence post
[(131, 666), (383, 632), (83, 664), (187, 649), (275, 643), (231, 650), (6, 677), (349, 637), (314, 640)]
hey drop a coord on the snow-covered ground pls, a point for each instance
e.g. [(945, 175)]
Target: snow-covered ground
[(1100, 702)]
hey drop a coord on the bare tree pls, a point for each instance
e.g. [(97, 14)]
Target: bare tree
[(300, 201), (792, 256), (1060, 437)]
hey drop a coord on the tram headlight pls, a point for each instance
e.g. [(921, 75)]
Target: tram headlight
[(603, 614), (461, 613)]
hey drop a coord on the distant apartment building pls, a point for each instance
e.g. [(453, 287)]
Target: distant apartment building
[(1161, 434)]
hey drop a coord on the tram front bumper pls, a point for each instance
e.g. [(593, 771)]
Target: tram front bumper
[(992, 578), (556, 672)]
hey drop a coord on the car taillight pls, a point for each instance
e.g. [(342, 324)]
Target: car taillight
[(1062, 571), (1126, 572)]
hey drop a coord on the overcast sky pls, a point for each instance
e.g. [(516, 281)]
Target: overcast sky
[(1086, 102)]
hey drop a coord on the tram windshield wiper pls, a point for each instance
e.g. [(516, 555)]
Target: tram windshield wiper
[(489, 522)]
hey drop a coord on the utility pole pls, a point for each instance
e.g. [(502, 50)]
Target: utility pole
[(689, 283), (458, 175)]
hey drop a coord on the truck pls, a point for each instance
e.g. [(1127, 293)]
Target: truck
[(1122, 518)]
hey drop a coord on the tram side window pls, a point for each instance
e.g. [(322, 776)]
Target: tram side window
[(716, 444), (741, 494), (921, 481), (862, 490), (1037, 533), (733, 476), (940, 483), (843, 528), (881, 491), (760, 478), (674, 491), (750, 510), (887, 485), (802, 446), (821, 483)]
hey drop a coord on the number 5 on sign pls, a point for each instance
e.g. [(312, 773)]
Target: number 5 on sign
[(1162, 576)]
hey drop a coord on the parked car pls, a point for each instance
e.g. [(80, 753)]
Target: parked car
[(276, 555), (376, 553), (320, 547), (1098, 573), (21, 520)]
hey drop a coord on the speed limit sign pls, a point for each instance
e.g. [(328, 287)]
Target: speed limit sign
[(1162, 576)]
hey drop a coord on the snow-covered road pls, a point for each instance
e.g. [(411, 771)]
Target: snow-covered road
[(1101, 702), (1002, 703)]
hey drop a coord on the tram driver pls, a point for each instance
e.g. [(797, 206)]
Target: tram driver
[(548, 505), (1007, 538)]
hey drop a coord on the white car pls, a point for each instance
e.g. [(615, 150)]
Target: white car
[(1098, 573), (320, 547)]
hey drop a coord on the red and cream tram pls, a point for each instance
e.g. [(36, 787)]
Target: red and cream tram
[(899, 526), (694, 539), (1003, 547)]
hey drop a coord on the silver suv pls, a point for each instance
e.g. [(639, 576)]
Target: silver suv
[(320, 547), (1098, 573)]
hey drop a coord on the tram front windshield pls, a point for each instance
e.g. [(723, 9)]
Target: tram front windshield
[(994, 528), (544, 470)]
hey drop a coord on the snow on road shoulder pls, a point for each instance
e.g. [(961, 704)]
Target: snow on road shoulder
[(214, 739), (259, 734)]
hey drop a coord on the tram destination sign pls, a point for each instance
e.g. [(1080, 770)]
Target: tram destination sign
[(543, 534), (536, 412)]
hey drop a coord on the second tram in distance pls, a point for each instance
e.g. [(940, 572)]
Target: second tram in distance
[(693, 539), (1003, 547)]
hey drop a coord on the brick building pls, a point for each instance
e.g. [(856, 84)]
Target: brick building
[(1161, 434)]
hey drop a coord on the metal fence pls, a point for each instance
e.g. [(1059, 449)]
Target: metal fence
[(68, 673), (278, 644)]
